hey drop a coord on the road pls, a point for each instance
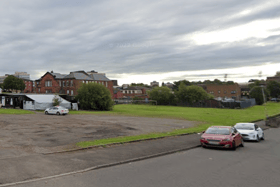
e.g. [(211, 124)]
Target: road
[(257, 164)]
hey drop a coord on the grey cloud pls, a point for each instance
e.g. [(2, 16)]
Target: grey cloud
[(118, 37)]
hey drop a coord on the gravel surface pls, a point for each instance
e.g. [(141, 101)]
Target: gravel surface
[(22, 135)]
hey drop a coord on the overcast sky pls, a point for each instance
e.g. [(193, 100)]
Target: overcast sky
[(142, 41)]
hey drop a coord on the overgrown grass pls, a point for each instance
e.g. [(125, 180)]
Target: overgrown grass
[(206, 116), (14, 111)]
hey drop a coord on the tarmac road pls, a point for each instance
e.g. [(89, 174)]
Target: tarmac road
[(257, 164)]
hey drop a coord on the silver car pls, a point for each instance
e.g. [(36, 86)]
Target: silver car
[(250, 131), (57, 110)]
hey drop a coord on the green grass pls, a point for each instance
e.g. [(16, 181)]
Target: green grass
[(15, 111), (205, 116)]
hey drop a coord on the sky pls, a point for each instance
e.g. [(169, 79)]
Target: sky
[(142, 41)]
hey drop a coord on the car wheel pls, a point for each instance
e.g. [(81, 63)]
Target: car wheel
[(46, 113), (262, 137), (58, 113), (233, 145), (242, 143), (258, 139)]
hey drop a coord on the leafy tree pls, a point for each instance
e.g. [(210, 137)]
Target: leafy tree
[(257, 93), (94, 96), (56, 100), (177, 84), (13, 83), (162, 95), (273, 88), (192, 94)]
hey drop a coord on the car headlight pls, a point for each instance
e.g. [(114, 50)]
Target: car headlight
[(225, 140)]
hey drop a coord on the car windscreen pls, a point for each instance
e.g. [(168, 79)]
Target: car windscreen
[(244, 126), (223, 131)]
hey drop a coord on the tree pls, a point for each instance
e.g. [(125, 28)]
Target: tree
[(162, 95), (177, 84), (274, 88), (56, 100), (192, 94), (93, 96), (257, 93), (13, 83)]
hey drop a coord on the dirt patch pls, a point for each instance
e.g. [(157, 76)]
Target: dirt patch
[(39, 133)]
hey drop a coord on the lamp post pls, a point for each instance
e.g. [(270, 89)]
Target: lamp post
[(264, 100)]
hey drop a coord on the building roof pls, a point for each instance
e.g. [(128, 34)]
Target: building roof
[(99, 77), (44, 98), (58, 75), (78, 76)]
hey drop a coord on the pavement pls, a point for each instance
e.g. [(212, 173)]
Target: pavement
[(18, 170)]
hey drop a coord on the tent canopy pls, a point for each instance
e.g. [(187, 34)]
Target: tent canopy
[(46, 98)]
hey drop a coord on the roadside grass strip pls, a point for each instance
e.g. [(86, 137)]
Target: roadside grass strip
[(205, 116), (15, 111), (127, 139)]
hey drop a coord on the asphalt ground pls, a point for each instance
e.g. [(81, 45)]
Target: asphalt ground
[(37, 166), (255, 165)]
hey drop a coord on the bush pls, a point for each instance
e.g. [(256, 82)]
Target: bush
[(162, 95), (94, 96), (256, 92), (192, 94)]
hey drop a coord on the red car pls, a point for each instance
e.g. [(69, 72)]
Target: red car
[(221, 136)]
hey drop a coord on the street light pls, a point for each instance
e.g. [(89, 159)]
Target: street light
[(264, 100)]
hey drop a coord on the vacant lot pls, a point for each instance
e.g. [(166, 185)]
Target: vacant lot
[(39, 133)]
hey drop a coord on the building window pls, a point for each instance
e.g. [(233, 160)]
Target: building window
[(63, 83), (72, 93), (225, 92), (83, 81), (219, 92), (48, 84), (48, 91), (106, 84), (233, 92), (67, 92), (71, 82), (39, 90)]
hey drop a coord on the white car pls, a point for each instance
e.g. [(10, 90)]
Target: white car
[(57, 110), (250, 131)]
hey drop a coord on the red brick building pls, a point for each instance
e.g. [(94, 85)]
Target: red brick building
[(28, 86), (224, 91), (69, 84), (134, 91)]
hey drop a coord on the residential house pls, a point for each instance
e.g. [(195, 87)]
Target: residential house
[(52, 82)]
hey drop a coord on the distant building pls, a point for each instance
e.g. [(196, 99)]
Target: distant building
[(224, 91), (22, 75), (52, 82), (2, 78), (274, 78), (154, 83), (169, 85)]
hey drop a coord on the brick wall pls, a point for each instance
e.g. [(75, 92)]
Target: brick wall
[(223, 91)]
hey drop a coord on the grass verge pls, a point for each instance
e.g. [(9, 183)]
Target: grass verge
[(15, 111), (207, 117)]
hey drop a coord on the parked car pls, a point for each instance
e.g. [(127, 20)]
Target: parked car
[(58, 110), (250, 131), (221, 137), (275, 99)]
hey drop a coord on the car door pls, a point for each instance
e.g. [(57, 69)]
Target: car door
[(237, 136), (258, 130)]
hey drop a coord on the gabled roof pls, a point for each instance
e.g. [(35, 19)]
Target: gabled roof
[(79, 76), (99, 77), (58, 75)]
